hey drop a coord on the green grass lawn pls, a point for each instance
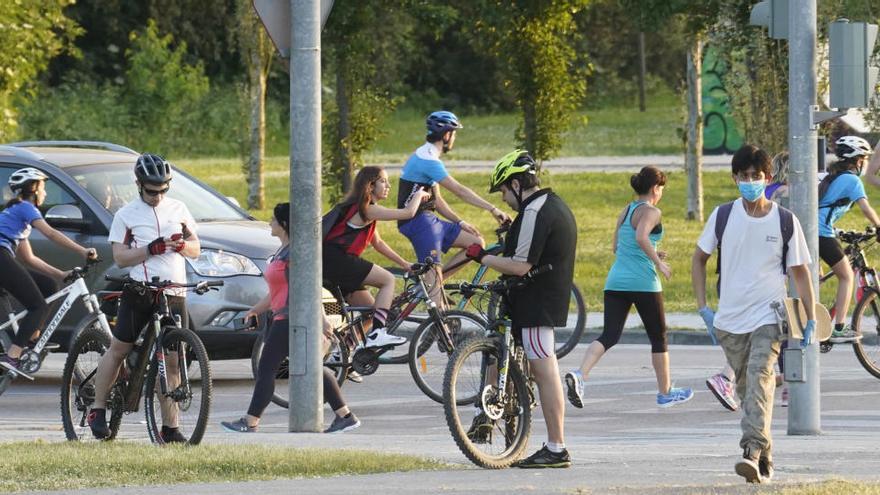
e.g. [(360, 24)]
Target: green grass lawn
[(615, 131), (71, 465), (596, 199)]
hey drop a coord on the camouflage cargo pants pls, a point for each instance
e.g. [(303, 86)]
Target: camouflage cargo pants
[(751, 356)]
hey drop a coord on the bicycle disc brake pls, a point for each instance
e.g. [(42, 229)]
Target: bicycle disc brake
[(825, 347), (365, 361), (492, 406)]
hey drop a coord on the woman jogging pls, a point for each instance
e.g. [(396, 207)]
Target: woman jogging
[(633, 279), (276, 344), (349, 228)]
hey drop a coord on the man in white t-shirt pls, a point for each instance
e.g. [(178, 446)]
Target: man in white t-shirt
[(753, 275), (152, 234)]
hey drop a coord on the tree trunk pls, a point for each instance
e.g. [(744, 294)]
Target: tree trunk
[(345, 167), (642, 72), (694, 154), (256, 197)]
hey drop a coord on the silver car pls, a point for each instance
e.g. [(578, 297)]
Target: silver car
[(89, 181)]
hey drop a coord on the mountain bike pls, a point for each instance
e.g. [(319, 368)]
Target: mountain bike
[(168, 366), (348, 352), (866, 315), (493, 369), (567, 337), (32, 357)]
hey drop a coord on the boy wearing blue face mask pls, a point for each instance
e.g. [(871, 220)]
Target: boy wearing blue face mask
[(837, 192), (752, 275)]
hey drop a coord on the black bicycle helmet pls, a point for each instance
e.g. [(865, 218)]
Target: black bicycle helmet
[(152, 169)]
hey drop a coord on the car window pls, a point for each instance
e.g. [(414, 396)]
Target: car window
[(55, 194), (114, 186)]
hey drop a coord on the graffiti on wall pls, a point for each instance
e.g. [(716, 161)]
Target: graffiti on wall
[(720, 134)]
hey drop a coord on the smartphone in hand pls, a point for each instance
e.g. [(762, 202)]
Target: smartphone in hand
[(246, 324)]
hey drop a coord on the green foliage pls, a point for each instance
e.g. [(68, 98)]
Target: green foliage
[(534, 42), (31, 33)]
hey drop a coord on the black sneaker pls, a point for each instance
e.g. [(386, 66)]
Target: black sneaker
[(748, 466), (97, 420), (481, 429), (765, 467), (544, 458), (238, 426), (342, 424), (172, 435), (13, 365)]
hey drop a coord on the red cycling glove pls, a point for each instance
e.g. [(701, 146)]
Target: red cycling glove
[(179, 247), (475, 252), (157, 246)]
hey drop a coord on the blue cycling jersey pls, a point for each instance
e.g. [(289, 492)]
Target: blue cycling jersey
[(15, 224), (846, 186)]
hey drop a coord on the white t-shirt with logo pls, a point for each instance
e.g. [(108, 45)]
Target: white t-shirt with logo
[(137, 224), (751, 266)]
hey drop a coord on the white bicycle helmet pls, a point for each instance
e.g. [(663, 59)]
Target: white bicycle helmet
[(22, 176), (851, 147)]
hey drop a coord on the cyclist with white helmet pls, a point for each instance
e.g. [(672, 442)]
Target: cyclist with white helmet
[(26, 277), (837, 192), (430, 236), (150, 236)]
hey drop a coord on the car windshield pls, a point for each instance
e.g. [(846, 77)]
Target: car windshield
[(113, 186)]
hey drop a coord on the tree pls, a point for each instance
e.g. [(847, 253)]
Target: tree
[(31, 33), (535, 41), (256, 50)]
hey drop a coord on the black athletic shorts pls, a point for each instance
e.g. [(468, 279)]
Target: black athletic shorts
[(344, 270), (135, 311), (830, 250)]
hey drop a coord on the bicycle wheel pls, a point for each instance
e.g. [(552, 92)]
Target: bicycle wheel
[(492, 444), (188, 401), (429, 357), (279, 396), (567, 337), (78, 382), (866, 322)]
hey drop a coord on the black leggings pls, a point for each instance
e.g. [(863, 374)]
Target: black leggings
[(274, 351), (30, 289), (650, 308)]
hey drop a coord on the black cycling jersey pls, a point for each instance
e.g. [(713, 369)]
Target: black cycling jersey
[(544, 232)]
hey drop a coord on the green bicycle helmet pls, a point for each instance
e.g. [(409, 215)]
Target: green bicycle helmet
[(515, 162)]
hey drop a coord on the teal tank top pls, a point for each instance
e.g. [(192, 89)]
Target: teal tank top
[(633, 270)]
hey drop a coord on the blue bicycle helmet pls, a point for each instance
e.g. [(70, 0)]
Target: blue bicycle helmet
[(442, 121)]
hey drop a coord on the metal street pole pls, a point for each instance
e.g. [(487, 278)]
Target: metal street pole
[(306, 386), (803, 410)]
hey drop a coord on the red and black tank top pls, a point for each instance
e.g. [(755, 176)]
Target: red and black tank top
[(351, 238)]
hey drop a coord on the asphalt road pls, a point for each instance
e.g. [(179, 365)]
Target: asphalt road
[(620, 442)]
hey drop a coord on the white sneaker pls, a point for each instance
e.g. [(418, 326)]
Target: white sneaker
[(381, 338)]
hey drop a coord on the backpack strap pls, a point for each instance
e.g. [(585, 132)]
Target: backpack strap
[(720, 224)]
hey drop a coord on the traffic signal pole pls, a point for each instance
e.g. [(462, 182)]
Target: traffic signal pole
[(305, 321), (804, 402)]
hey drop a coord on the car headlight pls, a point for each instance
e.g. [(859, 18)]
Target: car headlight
[(212, 263)]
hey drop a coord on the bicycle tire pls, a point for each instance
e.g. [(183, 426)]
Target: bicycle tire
[(516, 420), (866, 322), (191, 425), (428, 358), (565, 346), (89, 346)]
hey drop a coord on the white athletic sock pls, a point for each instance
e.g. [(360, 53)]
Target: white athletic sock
[(555, 447)]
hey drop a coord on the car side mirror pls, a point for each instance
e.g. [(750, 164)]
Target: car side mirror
[(66, 217)]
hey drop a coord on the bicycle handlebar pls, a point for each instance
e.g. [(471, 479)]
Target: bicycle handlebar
[(501, 285), (79, 271), (200, 287), (857, 237)]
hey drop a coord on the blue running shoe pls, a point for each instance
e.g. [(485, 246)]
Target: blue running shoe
[(675, 396)]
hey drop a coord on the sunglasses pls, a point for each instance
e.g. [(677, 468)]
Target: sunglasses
[(155, 192)]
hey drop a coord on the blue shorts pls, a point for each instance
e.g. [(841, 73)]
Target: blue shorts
[(429, 235)]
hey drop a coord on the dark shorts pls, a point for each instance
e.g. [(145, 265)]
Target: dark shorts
[(135, 311), (429, 235), (830, 250), (343, 270)]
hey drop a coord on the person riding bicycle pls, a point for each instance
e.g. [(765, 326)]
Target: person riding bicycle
[(837, 192), (634, 279), (428, 234), (543, 233), (152, 235), (351, 227), (755, 259), (27, 277), (275, 346)]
